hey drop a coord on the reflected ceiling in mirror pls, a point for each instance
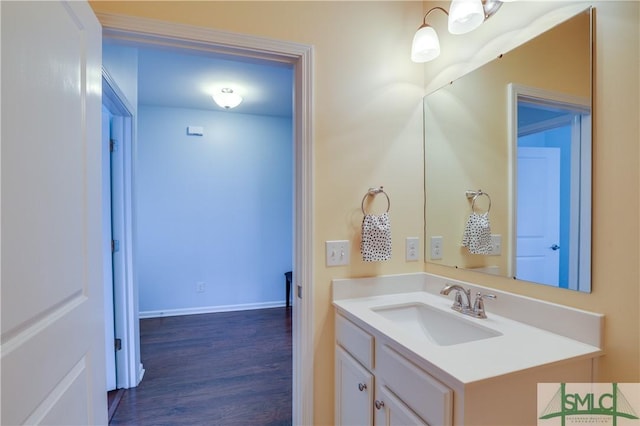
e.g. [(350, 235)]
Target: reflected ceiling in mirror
[(473, 139)]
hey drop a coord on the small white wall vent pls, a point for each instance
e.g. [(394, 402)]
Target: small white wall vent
[(195, 130)]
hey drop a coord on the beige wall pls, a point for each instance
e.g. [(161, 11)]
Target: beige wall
[(615, 271), (367, 126), (368, 131)]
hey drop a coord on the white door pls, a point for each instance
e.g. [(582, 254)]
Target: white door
[(53, 366), (538, 215)]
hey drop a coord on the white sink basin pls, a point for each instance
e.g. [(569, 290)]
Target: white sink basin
[(441, 328)]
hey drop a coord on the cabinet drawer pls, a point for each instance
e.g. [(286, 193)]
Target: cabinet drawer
[(355, 340), (422, 393)]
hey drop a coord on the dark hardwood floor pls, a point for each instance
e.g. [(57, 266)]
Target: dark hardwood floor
[(230, 368)]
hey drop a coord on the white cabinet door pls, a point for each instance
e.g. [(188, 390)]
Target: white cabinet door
[(427, 397), (53, 362), (354, 391), (390, 411)]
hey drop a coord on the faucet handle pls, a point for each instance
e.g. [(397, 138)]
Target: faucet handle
[(478, 305), (487, 295)]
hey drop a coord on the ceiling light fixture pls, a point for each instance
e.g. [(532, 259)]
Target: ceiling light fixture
[(464, 16), (227, 98)]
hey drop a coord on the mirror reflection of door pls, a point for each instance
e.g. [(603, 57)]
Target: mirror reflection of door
[(538, 221), (550, 136)]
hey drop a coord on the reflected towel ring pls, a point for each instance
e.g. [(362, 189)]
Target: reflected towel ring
[(374, 192), (474, 196)]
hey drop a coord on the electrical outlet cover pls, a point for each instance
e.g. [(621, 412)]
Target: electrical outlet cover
[(412, 249), (436, 248), (496, 244)]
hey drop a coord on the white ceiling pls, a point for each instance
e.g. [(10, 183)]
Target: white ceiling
[(186, 79)]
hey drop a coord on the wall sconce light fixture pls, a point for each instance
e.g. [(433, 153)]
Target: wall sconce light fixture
[(426, 44), (464, 16), (227, 98)]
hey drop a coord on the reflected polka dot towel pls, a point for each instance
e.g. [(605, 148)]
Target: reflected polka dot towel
[(376, 238), (477, 234)]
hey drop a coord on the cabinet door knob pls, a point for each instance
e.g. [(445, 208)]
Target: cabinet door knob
[(379, 404), (362, 386)]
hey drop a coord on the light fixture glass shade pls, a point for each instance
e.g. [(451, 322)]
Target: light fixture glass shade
[(426, 45), (226, 98), (465, 16)]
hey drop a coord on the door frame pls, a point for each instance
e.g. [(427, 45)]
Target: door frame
[(580, 259), (107, 258), (300, 56), (128, 371)]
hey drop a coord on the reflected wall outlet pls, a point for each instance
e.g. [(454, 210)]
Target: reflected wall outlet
[(496, 245), (436, 248), (337, 252), (412, 249)]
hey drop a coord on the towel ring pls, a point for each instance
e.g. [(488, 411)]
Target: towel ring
[(474, 196), (374, 192)]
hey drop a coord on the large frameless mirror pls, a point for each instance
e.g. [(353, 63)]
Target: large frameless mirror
[(508, 162)]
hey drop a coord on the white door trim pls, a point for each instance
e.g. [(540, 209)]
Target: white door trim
[(109, 329), (129, 372), (142, 30)]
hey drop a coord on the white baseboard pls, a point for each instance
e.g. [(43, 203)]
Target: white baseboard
[(209, 309), (140, 373)]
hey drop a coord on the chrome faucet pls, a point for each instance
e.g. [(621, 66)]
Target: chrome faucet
[(457, 304), (464, 307)]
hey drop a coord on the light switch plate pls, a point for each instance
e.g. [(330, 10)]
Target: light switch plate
[(412, 249), (337, 252)]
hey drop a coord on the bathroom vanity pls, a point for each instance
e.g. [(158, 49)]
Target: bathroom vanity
[(404, 357)]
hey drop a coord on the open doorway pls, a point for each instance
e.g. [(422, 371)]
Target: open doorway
[(214, 186), (300, 57)]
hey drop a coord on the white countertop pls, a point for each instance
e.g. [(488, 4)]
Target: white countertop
[(520, 346)]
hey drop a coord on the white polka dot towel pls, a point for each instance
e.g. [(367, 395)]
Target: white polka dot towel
[(376, 238), (477, 234)]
